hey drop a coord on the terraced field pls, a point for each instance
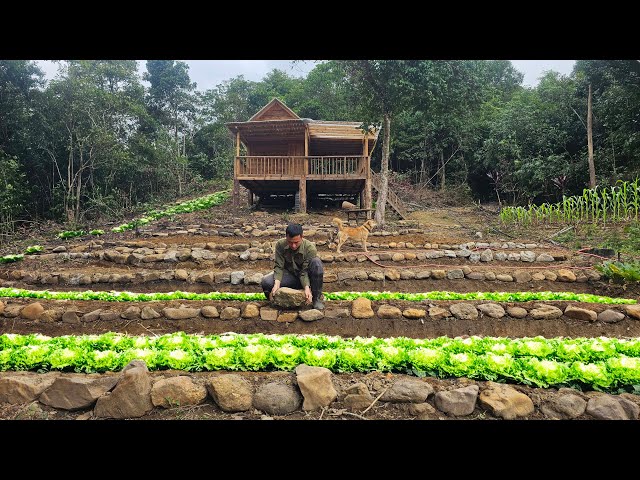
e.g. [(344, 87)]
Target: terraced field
[(228, 251)]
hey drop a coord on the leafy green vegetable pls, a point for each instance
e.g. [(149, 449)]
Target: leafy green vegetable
[(71, 234), (543, 372), (189, 206), (530, 361), (619, 272), (33, 249), (114, 296), (11, 258), (491, 296)]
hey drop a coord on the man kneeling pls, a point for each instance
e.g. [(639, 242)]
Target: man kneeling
[(297, 265)]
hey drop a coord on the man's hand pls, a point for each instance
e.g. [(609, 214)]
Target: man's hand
[(276, 287), (307, 293)]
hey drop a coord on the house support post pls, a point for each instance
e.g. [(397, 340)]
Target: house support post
[(302, 188), (236, 184), (235, 197), (305, 170), (303, 195), (365, 199), (365, 195)]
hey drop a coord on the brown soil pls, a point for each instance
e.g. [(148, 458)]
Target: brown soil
[(330, 325), (445, 225)]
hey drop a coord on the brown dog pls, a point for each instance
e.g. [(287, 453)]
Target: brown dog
[(357, 234)]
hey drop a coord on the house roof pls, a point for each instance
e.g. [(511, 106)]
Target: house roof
[(275, 118), (274, 110)]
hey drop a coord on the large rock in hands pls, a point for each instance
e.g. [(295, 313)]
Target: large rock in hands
[(287, 297)]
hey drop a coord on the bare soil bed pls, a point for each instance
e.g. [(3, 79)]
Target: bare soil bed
[(453, 225)]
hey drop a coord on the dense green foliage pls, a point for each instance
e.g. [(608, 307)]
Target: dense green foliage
[(96, 141), (620, 272), (606, 364)]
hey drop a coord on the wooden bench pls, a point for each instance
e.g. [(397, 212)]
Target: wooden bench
[(357, 213)]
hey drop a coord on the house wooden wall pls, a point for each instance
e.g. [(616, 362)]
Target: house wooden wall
[(275, 148)]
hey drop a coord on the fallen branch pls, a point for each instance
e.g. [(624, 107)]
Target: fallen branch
[(148, 330), (501, 232), (354, 415), (411, 204), (561, 231), (375, 400)]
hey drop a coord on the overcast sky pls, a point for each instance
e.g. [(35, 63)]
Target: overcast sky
[(210, 73)]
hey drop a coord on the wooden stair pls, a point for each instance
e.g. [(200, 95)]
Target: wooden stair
[(392, 199)]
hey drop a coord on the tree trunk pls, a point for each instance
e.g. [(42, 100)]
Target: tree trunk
[(592, 168), (179, 177), (68, 198), (613, 159), (76, 209), (384, 172), (442, 170)]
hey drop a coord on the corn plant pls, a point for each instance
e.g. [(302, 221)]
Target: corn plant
[(618, 203)]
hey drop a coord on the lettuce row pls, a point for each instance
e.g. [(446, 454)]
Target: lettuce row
[(601, 363), (12, 258), (201, 203), (489, 296), (71, 234), (114, 296)]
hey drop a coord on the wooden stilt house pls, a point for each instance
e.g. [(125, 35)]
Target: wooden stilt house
[(288, 155)]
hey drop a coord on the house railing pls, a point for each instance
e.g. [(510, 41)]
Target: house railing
[(342, 166), (337, 166), (269, 166)]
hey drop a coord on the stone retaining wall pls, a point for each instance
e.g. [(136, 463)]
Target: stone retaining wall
[(359, 308), (137, 256), (236, 277), (310, 393)]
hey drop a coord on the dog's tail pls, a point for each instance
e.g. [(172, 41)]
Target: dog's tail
[(336, 221)]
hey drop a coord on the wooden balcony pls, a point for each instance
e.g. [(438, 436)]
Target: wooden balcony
[(302, 175), (297, 167)]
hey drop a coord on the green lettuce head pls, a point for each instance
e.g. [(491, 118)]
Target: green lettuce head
[(316, 357), (286, 357), (594, 374), (543, 372), (624, 370), (254, 357), (220, 359), (427, 360)]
